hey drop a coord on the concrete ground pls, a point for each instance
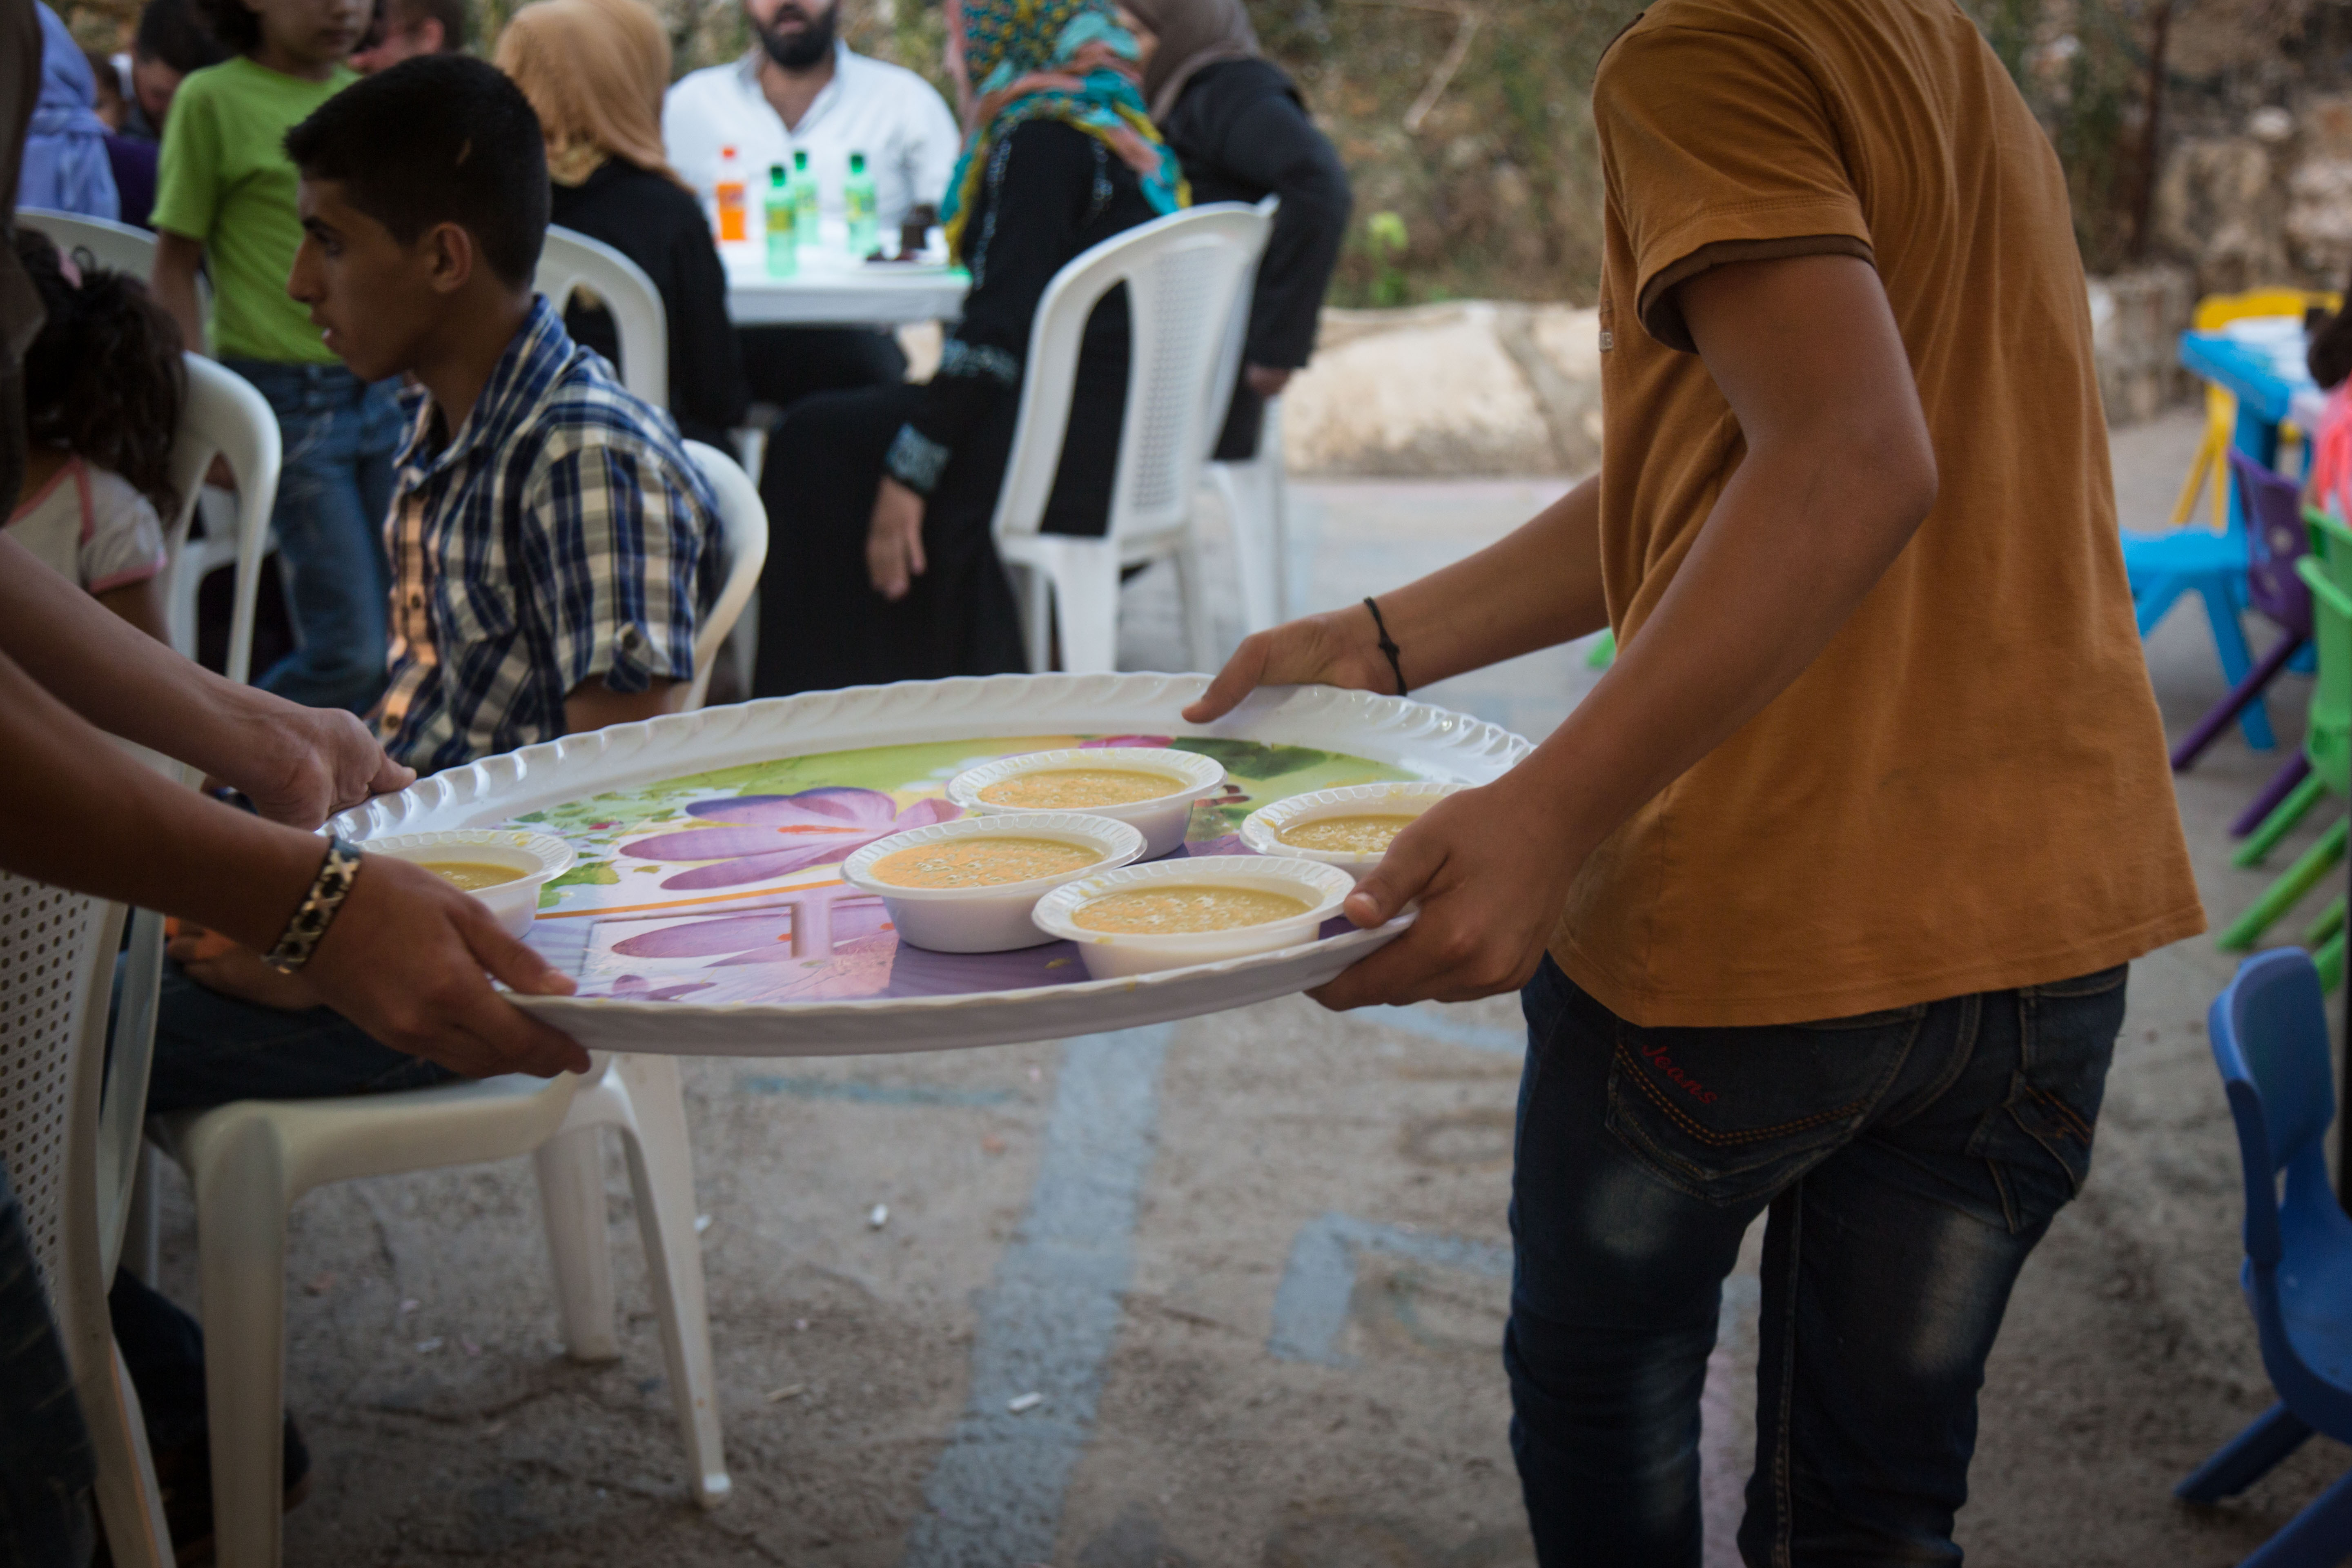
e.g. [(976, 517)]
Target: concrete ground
[(1254, 1262)]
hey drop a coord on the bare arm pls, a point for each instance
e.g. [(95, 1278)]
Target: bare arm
[(175, 284), (590, 705), (141, 605), (299, 764), (1537, 586), (1839, 474), (404, 958)]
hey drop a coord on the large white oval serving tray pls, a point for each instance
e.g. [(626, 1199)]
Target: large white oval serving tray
[(557, 781)]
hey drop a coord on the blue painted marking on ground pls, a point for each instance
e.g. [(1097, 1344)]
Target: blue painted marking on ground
[(1430, 1021), (1046, 1324), (1310, 1305), (870, 1093)]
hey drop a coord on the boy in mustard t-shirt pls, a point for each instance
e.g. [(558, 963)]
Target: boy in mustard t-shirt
[(1821, 901), (225, 196)]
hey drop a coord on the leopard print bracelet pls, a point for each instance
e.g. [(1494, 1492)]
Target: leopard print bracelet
[(337, 872)]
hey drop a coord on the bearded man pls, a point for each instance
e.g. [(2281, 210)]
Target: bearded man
[(802, 90)]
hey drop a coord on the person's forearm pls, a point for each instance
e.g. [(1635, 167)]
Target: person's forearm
[(1795, 542), (123, 682), (76, 811), (1537, 586)]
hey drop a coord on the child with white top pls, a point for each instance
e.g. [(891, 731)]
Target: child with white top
[(103, 384)]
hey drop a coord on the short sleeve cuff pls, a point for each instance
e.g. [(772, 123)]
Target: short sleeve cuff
[(1698, 245), (635, 655), (915, 460)]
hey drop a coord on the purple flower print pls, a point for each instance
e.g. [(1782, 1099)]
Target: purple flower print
[(827, 919), (1160, 741), (767, 835)]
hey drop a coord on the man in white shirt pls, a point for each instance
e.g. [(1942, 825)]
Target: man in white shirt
[(802, 90)]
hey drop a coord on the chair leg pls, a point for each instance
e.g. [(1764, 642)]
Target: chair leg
[(2208, 729), (2327, 958), (2292, 771), (2283, 894), (2246, 1457), (661, 1171), (2318, 1537), (572, 1194), (1255, 564), (130, 1503), (241, 1202), (1085, 609), (143, 1231), (2281, 822), (2237, 660), (1192, 586), (1033, 594)]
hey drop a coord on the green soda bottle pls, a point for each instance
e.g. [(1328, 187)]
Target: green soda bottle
[(803, 202), (783, 253), (859, 205)]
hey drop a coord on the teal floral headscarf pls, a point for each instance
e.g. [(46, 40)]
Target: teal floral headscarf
[(1053, 59)]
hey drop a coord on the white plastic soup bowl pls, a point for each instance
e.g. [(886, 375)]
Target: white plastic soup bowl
[(1161, 819), (1110, 955), (986, 919), (536, 856), (1262, 829)]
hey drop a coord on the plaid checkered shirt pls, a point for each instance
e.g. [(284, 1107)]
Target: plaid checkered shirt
[(562, 534)]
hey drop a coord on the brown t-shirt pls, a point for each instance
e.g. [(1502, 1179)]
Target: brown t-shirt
[(1968, 790)]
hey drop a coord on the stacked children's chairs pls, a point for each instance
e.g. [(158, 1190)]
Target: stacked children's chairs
[(2269, 1033), (2328, 748)]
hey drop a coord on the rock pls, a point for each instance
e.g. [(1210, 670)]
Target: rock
[(1430, 390)]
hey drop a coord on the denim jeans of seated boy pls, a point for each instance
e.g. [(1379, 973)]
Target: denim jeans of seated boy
[(46, 1465), (333, 489), (1909, 1160)]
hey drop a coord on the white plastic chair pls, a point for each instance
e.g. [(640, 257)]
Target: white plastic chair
[(1180, 271), (102, 241), (71, 1157), (250, 1161), (1257, 497), (744, 520), (222, 415), (572, 260)]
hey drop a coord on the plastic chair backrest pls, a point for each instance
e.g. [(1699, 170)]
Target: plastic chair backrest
[(224, 415), (1229, 363), (572, 261), (2275, 538), (57, 961), (743, 519), (96, 241), (1180, 271)]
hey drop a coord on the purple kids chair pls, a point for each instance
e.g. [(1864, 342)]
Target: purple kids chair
[(2275, 537)]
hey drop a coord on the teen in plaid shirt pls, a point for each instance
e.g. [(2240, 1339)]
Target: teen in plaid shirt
[(553, 549)]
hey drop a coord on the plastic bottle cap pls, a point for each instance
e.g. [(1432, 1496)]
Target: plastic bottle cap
[(776, 173), (857, 162), (800, 159)]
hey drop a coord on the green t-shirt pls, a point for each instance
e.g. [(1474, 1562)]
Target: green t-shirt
[(224, 178)]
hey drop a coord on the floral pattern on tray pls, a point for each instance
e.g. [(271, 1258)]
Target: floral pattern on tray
[(724, 886)]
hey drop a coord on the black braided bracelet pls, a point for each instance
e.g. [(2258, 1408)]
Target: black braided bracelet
[(1387, 645), (337, 871)]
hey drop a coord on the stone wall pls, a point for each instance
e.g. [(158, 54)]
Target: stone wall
[(1484, 387)]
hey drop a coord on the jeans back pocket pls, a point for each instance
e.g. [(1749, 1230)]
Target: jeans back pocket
[(1728, 1115)]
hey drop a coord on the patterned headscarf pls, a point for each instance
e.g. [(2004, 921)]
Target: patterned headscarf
[(1052, 60)]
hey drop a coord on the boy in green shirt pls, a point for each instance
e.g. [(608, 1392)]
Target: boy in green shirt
[(224, 194)]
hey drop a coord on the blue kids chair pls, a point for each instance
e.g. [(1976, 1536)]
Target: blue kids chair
[(2270, 1039)]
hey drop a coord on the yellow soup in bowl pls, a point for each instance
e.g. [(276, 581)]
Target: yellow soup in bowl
[(471, 876), (1079, 789), (981, 862), (1182, 909), (1365, 835)]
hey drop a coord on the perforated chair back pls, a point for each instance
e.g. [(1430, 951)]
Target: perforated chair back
[(95, 241), (2275, 540), (221, 415), (744, 520), (570, 261), (1184, 274)]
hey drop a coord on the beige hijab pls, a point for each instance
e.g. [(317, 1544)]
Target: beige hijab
[(1192, 33), (595, 71)]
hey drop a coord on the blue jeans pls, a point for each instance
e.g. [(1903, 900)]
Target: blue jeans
[(333, 492), (1910, 1161), (46, 1466)]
